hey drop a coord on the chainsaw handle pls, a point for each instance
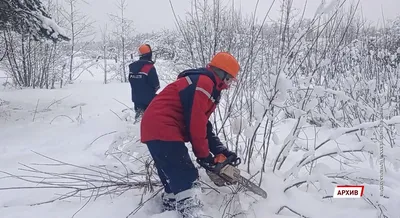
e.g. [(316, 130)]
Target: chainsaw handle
[(234, 161)]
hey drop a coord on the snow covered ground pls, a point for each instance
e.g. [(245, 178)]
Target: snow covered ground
[(77, 124)]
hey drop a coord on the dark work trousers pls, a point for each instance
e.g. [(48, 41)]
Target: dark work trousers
[(139, 107), (139, 110), (174, 166)]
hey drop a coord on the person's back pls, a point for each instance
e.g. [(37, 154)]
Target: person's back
[(166, 108), (143, 79), (167, 111)]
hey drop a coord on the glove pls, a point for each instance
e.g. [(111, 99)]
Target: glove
[(209, 160), (228, 153)]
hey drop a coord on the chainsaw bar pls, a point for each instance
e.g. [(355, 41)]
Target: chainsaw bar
[(246, 183), (252, 187), (231, 175)]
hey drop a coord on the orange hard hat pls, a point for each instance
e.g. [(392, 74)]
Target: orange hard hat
[(226, 62), (144, 49)]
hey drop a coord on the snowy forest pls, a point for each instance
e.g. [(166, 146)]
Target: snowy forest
[(317, 102)]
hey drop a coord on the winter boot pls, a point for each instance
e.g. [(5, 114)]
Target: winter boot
[(188, 204), (168, 201), (189, 207)]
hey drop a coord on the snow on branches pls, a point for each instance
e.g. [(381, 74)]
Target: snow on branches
[(29, 16)]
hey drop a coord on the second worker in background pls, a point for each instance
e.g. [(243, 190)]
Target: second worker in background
[(144, 80)]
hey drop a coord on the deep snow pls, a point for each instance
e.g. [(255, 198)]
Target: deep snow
[(65, 124)]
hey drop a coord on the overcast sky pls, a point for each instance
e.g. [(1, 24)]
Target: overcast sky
[(149, 15)]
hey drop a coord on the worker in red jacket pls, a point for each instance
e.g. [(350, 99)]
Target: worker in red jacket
[(179, 114)]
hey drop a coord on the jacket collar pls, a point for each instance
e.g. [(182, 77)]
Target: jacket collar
[(146, 57), (220, 84)]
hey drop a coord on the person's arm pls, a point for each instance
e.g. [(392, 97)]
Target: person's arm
[(195, 100), (130, 79), (153, 79), (214, 143)]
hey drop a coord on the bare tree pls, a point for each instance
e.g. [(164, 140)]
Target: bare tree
[(80, 28), (123, 33), (104, 46), (32, 63)]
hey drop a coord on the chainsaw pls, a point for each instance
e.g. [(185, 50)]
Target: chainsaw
[(225, 172)]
